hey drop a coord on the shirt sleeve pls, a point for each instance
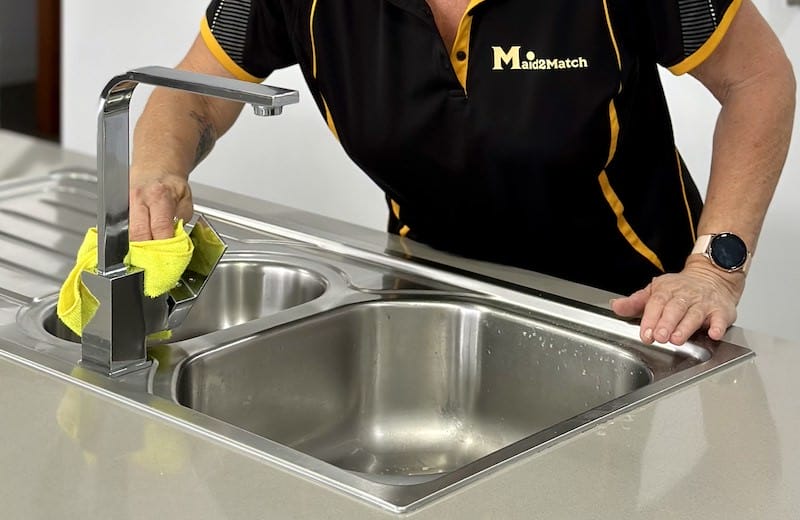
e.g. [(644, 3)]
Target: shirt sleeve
[(248, 37), (685, 32)]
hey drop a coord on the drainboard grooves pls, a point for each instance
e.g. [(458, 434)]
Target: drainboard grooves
[(48, 215), (14, 297), (75, 191), (36, 245), (63, 205), (44, 223), (25, 269)]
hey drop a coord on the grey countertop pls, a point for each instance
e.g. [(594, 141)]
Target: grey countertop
[(723, 448)]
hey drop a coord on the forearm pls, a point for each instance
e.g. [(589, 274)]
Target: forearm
[(750, 147), (177, 130), (172, 136)]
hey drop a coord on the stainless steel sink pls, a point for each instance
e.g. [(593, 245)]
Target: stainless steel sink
[(395, 380), (412, 388)]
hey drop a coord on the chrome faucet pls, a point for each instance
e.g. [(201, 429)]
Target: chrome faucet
[(113, 340)]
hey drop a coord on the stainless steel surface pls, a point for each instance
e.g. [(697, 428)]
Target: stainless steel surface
[(392, 380), (114, 341), (412, 388)]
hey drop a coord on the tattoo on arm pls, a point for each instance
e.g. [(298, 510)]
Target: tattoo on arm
[(206, 137)]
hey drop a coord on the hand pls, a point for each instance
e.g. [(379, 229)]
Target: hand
[(675, 306), (155, 202)]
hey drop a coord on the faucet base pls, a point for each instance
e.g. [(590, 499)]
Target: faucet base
[(113, 339)]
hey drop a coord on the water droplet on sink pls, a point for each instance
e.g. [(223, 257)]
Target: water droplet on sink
[(583, 373)]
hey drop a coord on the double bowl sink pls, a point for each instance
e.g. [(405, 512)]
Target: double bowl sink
[(388, 379)]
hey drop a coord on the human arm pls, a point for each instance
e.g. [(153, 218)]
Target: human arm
[(174, 133), (752, 78)]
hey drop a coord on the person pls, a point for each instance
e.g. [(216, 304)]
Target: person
[(533, 134)]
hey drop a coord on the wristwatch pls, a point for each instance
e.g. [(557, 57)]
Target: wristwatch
[(725, 251)]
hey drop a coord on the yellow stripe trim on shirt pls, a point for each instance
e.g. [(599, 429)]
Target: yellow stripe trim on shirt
[(222, 56), (313, 43), (461, 43), (328, 116), (623, 225), (613, 200), (613, 120), (685, 197), (613, 40), (396, 210), (705, 50)]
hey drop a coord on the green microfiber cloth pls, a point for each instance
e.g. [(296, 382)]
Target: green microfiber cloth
[(163, 262)]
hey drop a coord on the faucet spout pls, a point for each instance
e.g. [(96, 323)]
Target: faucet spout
[(114, 339)]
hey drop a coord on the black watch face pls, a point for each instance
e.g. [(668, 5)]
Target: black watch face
[(728, 251)]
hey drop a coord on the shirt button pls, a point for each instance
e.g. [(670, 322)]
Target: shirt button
[(461, 55)]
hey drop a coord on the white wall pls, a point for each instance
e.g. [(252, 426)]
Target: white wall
[(293, 159), (17, 41)]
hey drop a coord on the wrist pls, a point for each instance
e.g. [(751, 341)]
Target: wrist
[(700, 266)]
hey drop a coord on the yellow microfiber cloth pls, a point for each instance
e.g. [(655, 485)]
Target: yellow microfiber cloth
[(163, 262)]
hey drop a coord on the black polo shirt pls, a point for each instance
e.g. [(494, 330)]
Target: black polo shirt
[(542, 140)]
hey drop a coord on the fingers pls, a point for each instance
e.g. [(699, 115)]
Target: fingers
[(153, 207), (139, 225), (691, 322), (632, 305), (162, 212), (678, 305), (718, 326)]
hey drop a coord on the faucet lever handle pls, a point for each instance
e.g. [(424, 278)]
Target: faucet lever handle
[(208, 251)]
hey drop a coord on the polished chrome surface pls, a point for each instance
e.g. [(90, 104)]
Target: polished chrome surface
[(395, 380), (114, 341)]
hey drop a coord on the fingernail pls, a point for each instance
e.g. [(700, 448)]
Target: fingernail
[(648, 335), (677, 335), (662, 335), (611, 301)]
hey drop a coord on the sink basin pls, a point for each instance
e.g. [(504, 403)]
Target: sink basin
[(238, 291), (241, 291), (408, 388), (403, 392)]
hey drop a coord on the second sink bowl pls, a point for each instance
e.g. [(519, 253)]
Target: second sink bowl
[(239, 290)]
